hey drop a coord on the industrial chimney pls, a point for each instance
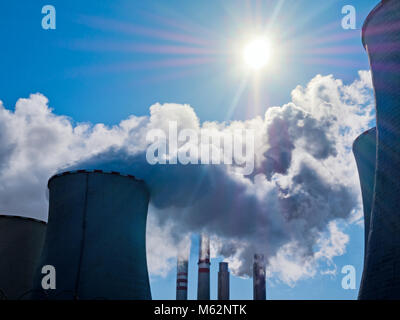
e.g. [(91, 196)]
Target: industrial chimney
[(223, 281), (259, 277), (381, 38), (21, 242), (95, 237), (182, 278), (364, 149), (203, 284)]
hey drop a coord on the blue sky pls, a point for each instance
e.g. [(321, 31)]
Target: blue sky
[(109, 59)]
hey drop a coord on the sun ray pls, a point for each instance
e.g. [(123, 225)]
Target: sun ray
[(107, 24), (174, 46), (238, 95)]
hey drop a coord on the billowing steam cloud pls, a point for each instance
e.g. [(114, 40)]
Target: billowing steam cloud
[(304, 178)]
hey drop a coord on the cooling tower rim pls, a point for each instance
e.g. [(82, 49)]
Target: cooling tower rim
[(65, 173), (365, 133), (22, 218), (368, 19)]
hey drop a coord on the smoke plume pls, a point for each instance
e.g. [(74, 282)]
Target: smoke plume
[(303, 183)]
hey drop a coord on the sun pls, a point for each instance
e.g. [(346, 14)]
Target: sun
[(257, 53)]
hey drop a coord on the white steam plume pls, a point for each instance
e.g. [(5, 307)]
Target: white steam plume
[(305, 178)]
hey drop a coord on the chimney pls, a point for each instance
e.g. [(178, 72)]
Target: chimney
[(182, 279), (259, 277), (223, 281), (203, 283)]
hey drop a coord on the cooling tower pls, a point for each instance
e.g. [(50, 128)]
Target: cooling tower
[(203, 283), (364, 149), (223, 281), (381, 38), (259, 277), (182, 279), (95, 237), (21, 241)]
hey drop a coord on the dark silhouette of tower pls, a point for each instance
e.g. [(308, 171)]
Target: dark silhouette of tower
[(21, 242), (259, 292), (381, 38), (203, 282), (223, 281), (95, 237), (364, 149)]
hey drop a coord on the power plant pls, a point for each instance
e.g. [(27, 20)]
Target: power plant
[(203, 282), (21, 242), (364, 149), (259, 292), (95, 237), (95, 242), (381, 39), (223, 281)]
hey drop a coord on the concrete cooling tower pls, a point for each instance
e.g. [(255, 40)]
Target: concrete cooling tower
[(364, 149), (21, 241), (95, 237), (381, 38)]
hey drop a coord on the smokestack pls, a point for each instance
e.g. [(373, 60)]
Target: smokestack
[(21, 242), (182, 279), (203, 284), (381, 38), (95, 237), (259, 277), (223, 281)]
